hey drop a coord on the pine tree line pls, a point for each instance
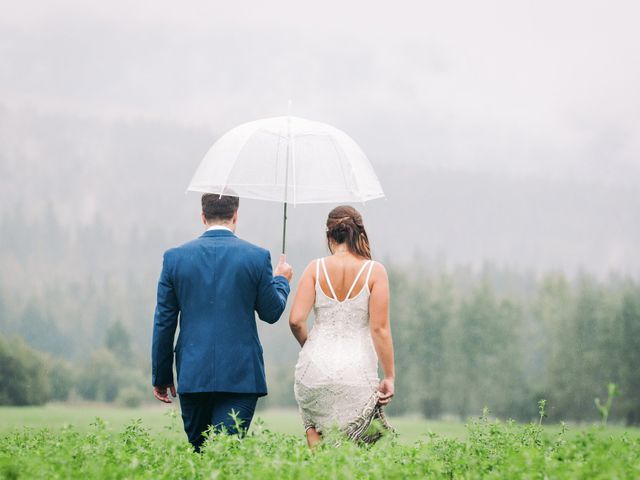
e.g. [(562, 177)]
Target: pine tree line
[(459, 350)]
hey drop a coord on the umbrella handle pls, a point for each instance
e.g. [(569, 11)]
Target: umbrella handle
[(284, 228)]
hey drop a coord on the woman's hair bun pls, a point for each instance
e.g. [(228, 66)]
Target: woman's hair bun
[(339, 227), (341, 224), (344, 225)]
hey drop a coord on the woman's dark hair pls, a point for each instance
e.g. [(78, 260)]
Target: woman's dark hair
[(344, 225), (220, 208)]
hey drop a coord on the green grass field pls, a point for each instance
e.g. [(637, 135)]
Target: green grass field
[(66, 441), (157, 419)]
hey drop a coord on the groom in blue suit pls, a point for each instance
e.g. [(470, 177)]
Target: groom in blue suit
[(213, 286)]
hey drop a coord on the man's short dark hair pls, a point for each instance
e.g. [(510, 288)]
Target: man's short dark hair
[(221, 208)]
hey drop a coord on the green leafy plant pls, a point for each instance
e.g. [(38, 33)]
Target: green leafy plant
[(492, 449), (542, 404), (605, 408)]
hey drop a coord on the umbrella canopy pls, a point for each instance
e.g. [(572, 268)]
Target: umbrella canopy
[(288, 159)]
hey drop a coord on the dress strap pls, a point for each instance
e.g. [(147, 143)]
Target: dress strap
[(317, 271), (326, 275), (357, 278), (369, 272)]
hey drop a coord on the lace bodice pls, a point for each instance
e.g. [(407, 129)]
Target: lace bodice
[(337, 369)]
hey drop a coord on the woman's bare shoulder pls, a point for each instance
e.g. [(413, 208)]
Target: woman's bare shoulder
[(378, 273), (310, 269), (378, 267)]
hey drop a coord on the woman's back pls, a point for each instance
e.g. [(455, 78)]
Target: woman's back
[(340, 340), (344, 274)]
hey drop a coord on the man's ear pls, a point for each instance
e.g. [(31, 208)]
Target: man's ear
[(234, 220), (204, 219)]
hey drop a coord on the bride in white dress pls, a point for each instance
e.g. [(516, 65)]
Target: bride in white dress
[(336, 377)]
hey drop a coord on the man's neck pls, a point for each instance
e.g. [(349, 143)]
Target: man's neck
[(220, 226)]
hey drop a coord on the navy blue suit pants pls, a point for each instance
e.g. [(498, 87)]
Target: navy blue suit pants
[(205, 409)]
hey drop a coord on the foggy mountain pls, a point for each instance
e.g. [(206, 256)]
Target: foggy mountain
[(498, 87), (131, 177)]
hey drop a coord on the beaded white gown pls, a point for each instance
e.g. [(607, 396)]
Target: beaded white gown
[(336, 377)]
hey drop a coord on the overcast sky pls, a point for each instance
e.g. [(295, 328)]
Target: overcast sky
[(545, 88)]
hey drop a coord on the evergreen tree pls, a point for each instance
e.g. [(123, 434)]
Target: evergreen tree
[(589, 373), (554, 345), (408, 356), (435, 304), (629, 351), (118, 341)]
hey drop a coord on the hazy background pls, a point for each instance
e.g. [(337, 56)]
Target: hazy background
[(506, 136), (501, 130)]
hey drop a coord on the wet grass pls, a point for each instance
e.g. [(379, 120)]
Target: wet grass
[(63, 441)]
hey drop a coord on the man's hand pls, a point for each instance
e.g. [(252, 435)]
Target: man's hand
[(386, 390), (161, 393), (283, 268)]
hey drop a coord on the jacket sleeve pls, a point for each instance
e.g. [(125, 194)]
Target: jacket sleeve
[(272, 293), (164, 327)]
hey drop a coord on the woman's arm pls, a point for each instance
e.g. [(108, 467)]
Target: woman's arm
[(302, 304), (381, 330)]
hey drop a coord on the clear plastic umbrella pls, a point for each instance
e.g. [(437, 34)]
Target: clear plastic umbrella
[(288, 159)]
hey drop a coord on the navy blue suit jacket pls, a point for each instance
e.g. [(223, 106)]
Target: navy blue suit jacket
[(213, 285)]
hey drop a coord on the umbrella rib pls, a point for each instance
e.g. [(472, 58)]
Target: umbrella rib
[(275, 180), (293, 168)]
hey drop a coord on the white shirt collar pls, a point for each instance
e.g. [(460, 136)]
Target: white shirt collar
[(219, 227)]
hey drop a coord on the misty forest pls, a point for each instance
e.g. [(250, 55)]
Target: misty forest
[(544, 315)]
